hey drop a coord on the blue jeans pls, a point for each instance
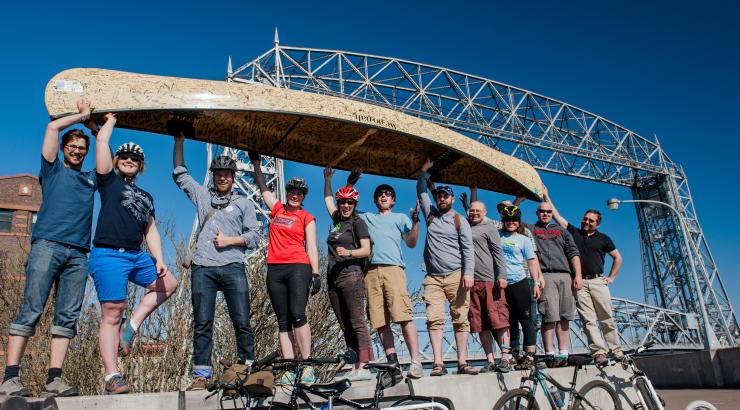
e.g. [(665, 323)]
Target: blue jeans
[(231, 280), (50, 262)]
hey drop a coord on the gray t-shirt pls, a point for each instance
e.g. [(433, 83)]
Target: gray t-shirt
[(489, 257), (446, 250), (236, 219)]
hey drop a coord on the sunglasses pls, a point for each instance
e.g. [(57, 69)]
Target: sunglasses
[(506, 221), (346, 202), (132, 157), (593, 221), (545, 211), (386, 193)]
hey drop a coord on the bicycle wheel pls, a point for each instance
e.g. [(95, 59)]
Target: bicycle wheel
[(597, 395), (423, 400), (700, 405), (517, 399), (646, 394)]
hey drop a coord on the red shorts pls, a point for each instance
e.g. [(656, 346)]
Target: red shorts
[(488, 307)]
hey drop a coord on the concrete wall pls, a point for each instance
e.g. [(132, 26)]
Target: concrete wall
[(720, 368)]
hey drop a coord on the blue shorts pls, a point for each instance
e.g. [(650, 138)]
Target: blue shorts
[(112, 269)]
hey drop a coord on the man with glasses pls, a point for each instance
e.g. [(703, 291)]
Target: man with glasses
[(385, 282), (449, 262), (594, 302), (561, 268), (228, 229), (59, 245)]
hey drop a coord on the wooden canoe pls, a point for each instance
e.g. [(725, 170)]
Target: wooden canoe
[(293, 125)]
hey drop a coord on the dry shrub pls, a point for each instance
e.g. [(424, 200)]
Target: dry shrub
[(162, 357)]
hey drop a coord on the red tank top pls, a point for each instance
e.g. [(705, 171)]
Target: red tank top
[(288, 235)]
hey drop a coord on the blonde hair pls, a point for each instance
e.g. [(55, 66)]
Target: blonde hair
[(141, 165)]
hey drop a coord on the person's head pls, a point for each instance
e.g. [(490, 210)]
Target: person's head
[(384, 197), (129, 160), (444, 197), (544, 212), (591, 221), (511, 219), (74, 145), (296, 190), (476, 212), (347, 198), (224, 171)]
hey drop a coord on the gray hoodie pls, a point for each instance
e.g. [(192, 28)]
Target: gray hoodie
[(555, 247)]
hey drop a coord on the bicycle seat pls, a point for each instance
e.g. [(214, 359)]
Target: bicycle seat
[(331, 389), (382, 367), (579, 361)]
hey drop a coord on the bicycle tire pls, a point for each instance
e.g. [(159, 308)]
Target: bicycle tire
[(700, 405), (644, 390), (424, 399), (516, 399), (599, 396)]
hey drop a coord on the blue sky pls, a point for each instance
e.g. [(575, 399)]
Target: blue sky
[(663, 68)]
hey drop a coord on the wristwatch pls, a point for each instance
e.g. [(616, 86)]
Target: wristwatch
[(350, 253)]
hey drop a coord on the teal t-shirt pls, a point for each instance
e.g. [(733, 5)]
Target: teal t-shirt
[(517, 250), (386, 232)]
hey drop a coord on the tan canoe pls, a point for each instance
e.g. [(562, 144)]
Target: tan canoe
[(294, 125)]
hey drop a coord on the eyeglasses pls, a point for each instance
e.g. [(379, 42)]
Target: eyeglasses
[(73, 148), (386, 193), (133, 157), (346, 202), (545, 211)]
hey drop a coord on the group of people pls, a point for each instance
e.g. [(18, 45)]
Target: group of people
[(489, 271)]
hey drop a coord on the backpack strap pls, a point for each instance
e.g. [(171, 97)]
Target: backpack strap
[(455, 218)]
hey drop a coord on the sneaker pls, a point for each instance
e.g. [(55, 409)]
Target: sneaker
[(126, 340), (59, 388), (308, 376), (600, 359), (116, 385), (285, 379), (199, 383), (13, 387), (438, 370), (490, 367), (359, 375), (504, 366), (416, 371), (618, 355), (389, 380)]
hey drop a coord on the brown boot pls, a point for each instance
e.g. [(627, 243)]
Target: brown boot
[(199, 383)]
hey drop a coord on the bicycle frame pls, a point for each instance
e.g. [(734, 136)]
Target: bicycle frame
[(540, 377)]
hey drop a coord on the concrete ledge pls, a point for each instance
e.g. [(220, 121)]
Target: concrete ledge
[(466, 392)]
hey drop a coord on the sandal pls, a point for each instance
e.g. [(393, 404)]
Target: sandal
[(438, 370), (466, 369)]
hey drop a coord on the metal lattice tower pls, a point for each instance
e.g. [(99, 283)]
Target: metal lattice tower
[(552, 136)]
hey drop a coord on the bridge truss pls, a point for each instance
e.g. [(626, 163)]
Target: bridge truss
[(552, 136)]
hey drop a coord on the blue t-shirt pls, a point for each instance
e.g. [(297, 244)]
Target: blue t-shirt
[(66, 211), (125, 210), (386, 232), (517, 251)]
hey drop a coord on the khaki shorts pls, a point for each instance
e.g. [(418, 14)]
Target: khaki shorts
[(388, 299), (558, 301), (439, 289), (488, 307)]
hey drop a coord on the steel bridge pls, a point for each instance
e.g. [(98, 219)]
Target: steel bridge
[(686, 304)]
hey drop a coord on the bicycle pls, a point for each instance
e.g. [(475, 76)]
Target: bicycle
[(649, 398), (332, 392), (249, 397), (595, 394)]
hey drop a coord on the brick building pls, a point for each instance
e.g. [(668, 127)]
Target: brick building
[(20, 199)]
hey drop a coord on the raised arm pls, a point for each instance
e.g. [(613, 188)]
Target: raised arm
[(555, 214), (154, 244), (259, 179), (178, 156), (421, 188), (412, 236), (50, 147), (103, 155), (331, 207)]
